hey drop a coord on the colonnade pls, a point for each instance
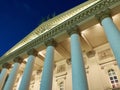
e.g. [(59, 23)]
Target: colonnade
[(79, 80)]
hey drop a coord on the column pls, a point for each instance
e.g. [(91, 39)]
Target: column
[(25, 82), (13, 74), (79, 79), (3, 74), (112, 33), (47, 74)]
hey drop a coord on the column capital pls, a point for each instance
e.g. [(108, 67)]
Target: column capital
[(6, 65), (50, 42), (73, 30), (103, 14), (18, 59), (32, 52)]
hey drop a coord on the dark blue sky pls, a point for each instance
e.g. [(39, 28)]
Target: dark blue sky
[(19, 17)]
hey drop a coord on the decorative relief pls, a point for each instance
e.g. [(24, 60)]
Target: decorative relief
[(105, 54), (61, 83), (18, 59), (32, 52), (50, 42), (73, 30), (103, 14), (61, 86), (60, 80), (61, 68), (91, 54)]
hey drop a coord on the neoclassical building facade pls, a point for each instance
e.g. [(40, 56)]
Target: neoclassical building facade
[(76, 50)]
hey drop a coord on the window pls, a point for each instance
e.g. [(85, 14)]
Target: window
[(113, 78)]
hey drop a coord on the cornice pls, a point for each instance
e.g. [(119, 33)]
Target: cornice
[(54, 32), (50, 42)]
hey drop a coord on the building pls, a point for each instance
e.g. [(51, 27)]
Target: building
[(76, 50)]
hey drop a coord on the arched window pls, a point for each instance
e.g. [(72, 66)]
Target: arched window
[(61, 86), (113, 78)]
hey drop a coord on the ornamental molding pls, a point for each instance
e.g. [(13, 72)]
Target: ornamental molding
[(32, 52), (61, 28), (50, 42), (73, 30), (18, 59), (103, 14), (6, 65)]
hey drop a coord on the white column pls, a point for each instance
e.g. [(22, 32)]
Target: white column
[(3, 74), (47, 74), (18, 84), (112, 33), (113, 36), (25, 82), (13, 74), (79, 79)]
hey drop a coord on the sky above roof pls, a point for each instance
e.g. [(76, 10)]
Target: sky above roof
[(19, 17)]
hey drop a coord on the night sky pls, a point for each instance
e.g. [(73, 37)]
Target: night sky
[(19, 17)]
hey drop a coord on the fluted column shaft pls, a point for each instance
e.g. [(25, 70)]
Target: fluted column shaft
[(13, 74), (79, 79), (25, 82), (47, 74)]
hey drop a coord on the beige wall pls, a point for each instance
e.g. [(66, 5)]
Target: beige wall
[(96, 71)]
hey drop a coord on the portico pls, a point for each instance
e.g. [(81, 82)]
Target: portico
[(83, 40)]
